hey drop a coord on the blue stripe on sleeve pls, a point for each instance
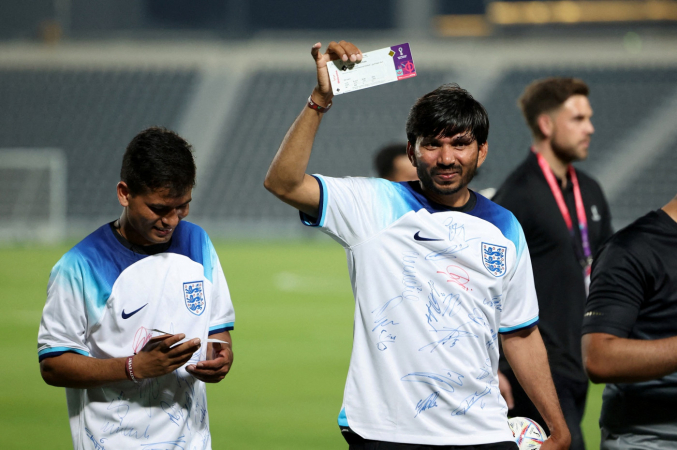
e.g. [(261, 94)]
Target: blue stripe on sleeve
[(221, 328), (523, 326), (322, 208), (56, 351)]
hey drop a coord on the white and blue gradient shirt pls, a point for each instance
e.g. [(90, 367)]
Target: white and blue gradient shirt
[(103, 300), (434, 287)]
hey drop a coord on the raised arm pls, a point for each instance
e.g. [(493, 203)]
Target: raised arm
[(286, 177), (528, 358)]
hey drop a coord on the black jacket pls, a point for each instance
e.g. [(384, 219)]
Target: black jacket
[(558, 273)]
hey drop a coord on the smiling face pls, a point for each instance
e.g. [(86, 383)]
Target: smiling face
[(152, 216), (446, 165), (569, 129)]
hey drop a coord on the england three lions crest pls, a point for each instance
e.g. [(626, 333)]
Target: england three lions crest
[(493, 258), (194, 295)]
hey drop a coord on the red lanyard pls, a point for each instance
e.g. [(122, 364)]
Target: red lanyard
[(559, 198)]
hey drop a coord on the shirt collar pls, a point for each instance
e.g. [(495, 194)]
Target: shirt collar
[(152, 249)]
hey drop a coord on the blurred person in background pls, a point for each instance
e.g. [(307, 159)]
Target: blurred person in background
[(392, 163), (439, 274), (630, 333), (565, 218), (116, 300)]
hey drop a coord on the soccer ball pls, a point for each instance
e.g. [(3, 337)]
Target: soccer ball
[(528, 434)]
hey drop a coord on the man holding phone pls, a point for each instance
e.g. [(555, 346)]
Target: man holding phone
[(129, 383)]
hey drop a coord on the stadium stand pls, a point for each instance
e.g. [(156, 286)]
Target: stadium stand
[(91, 115), (651, 189), (352, 132), (621, 98)]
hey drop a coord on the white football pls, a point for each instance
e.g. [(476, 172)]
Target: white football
[(528, 434)]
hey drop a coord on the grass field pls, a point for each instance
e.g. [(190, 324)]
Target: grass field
[(292, 345)]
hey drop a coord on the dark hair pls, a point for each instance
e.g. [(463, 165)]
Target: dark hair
[(447, 111), (158, 158), (385, 159), (548, 94)]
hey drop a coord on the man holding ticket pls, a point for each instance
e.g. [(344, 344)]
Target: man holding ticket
[(129, 308), (438, 271)]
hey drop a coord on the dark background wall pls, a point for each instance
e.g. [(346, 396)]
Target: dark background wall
[(228, 18)]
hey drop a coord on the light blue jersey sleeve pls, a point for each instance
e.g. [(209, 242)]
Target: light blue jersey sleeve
[(72, 303), (353, 209), (222, 312), (520, 308)]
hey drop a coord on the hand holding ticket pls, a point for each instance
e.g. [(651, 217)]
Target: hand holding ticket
[(343, 51), (164, 335), (377, 67)]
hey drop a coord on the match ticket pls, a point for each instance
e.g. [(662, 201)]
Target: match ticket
[(165, 335), (377, 67)]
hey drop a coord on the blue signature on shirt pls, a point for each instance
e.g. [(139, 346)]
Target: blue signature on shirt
[(469, 401), (443, 382), (452, 336), (427, 403)]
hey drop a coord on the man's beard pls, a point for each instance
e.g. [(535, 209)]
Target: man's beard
[(566, 154), (430, 186)]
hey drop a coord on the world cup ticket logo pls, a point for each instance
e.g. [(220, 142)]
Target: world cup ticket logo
[(404, 63), (193, 294)]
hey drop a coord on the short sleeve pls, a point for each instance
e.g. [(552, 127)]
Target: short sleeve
[(520, 303), (64, 319), (617, 287), (222, 311), (353, 209)]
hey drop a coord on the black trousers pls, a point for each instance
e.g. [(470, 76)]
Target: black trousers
[(572, 395), (356, 442)]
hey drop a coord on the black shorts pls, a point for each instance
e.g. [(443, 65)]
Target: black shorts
[(357, 442)]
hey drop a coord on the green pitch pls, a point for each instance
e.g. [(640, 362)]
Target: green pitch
[(292, 345)]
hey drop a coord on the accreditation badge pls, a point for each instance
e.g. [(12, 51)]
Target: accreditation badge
[(587, 270)]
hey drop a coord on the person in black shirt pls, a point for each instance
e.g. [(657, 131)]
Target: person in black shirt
[(565, 218), (630, 333)]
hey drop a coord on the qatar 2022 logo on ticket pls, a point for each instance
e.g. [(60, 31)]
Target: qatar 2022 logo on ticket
[(194, 295)]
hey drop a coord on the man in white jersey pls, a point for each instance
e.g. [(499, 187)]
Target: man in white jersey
[(438, 273), (130, 308)]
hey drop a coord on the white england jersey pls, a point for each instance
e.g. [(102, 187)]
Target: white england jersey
[(433, 289), (103, 300)]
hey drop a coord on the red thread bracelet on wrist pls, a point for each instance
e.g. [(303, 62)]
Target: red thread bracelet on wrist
[(316, 107), (128, 370)]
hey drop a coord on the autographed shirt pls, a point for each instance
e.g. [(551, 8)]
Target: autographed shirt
[(433, 287), (103, 299), (633, 295)]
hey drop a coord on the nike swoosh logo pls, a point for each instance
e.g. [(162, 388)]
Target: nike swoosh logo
[(127, 316), (419, 238)]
